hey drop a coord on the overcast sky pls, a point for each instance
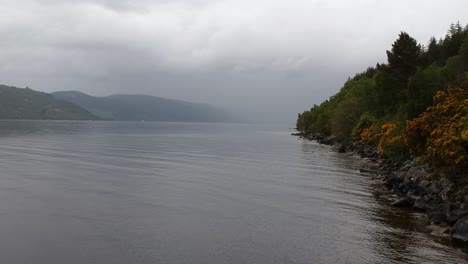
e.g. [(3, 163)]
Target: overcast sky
[(270, 58)]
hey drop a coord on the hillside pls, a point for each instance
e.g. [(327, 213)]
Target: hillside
[(24, 103), (415, 105), (144, 107)]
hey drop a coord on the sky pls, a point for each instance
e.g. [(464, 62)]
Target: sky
[(265, 59)]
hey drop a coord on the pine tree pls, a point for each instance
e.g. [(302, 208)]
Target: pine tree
[(404, 57)]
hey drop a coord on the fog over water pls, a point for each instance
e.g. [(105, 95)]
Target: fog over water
[(264, 59)]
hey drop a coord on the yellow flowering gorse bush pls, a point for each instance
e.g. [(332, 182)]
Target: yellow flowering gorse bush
[(440, 131)]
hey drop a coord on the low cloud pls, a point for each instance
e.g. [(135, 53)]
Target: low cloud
[(253, 55)]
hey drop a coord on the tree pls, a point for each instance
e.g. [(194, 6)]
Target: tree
[(404, 57), (421, 88), (463, 52), (453, 40), (388, 91), (432, 53), (345, 118)]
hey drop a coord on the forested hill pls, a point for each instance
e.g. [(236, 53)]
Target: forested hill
[(24, 103), (145, 107), (415, 104)]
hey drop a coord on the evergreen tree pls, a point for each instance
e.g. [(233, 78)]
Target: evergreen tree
[(453, 40), (404, 57), (433, 52)]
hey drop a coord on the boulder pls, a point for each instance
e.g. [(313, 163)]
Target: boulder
[(377, 193), (341, 148), (457, 214), (439, 231), (417, 174), (434, 189), (391, 180), (460, 230), (407, 201), (327, 141), (446, 193), (421, 203), (366, 169), (437, 211), (455, 205), (423, 187), (444, 182), (407, 165), (422, 220)]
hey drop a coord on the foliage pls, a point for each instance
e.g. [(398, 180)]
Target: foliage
[(369, 134), (421, 88), (344, 119), (441, 131), (391, 143), (388, 93), (404, 56), (407, 106), (365, 123)]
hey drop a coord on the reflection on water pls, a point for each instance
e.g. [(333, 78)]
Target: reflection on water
[(131, 192), (395, 233)]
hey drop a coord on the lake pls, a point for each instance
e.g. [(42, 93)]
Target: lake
[(141, 192)]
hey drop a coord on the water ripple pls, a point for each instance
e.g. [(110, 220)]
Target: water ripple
[(122, 192)]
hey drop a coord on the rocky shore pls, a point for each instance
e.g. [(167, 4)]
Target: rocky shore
[(445, 208)]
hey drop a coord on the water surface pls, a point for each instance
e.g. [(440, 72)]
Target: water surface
[(134, 192)]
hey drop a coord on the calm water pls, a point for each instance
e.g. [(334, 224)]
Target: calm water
[(111, 192)]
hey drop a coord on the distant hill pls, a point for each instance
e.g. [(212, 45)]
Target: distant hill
[(24, 103), (144, 107)]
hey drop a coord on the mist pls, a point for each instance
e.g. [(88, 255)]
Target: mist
[(263, 60)]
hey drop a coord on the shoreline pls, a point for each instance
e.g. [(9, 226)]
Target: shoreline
[(443, 214)]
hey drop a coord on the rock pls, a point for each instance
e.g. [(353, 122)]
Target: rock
[(446, 193), (455, 205), (379, 193), (437, 211), (460, 230), (408, 183), (369, 152), (422, 220), (439, 231), (434, 189), (421, 203), (423, 187), (327, 141), (341, 148), (444, 182), (392, 179), (407, 165), (366, 169), (417, 174), (424, 184), (457, 214), (407, 201)]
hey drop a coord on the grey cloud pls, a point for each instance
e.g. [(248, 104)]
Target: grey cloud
[(273, 58)]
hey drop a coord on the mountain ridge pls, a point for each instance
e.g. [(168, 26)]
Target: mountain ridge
[(136, 107), (25, 103)]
